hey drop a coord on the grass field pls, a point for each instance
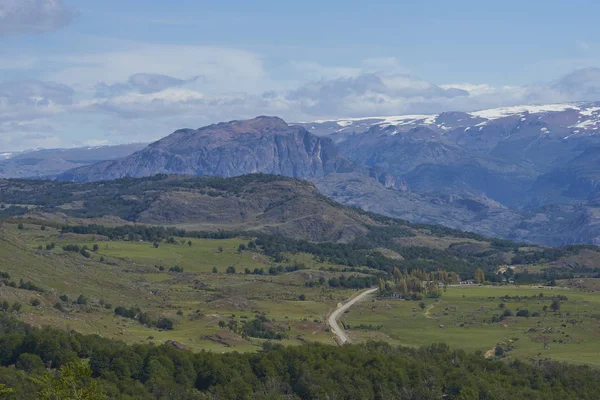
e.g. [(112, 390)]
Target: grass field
[(123, 273), (462, 318), (196, 300)]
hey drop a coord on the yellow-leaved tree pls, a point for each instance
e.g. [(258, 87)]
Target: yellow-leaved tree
[(4, 390)]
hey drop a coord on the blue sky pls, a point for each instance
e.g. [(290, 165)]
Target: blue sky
[(91, 72)]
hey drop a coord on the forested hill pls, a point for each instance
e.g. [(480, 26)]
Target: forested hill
[(372, 371), (288, 214)]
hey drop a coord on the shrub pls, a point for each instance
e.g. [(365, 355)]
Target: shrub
[(523, 313), (164, 323), (81, 300)]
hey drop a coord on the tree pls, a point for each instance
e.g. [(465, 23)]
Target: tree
[(523, 313), (95, 247), (403, 287), (164, 323), (72, 382), (555, 306), (20, 227), (230, 270), (499, 351), (81, 300), (30, 363), (215, 270), (220, 249), (241, 247), (4, 390), (189, 243), (302, 297), (479, 276), (381, 286)]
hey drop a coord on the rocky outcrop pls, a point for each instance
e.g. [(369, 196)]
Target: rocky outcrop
[(260, 145)]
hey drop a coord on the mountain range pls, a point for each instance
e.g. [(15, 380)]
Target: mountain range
[(41, 163), (525, 173)]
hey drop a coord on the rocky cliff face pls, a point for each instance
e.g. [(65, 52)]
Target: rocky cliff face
[(261, 145)]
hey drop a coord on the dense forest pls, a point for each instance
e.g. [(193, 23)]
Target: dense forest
[(55, 363)]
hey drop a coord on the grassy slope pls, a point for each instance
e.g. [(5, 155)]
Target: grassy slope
[(473, 306), (128, 277)]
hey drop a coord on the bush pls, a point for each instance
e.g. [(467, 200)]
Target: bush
[(59, 307), (499, 351), (230, 270), (176, 268), (81, 300), (64, 298), (164, 323), (35, 302), (523, 313), (507, 313), (302, 297)]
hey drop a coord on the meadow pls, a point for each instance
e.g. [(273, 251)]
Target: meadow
[(464, 318), (137, 275), (208, 307)]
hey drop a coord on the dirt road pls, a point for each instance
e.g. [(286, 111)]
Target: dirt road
[(335, 316)]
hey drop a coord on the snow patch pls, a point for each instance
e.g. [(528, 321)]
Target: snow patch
[(496, 113), (588, 112)]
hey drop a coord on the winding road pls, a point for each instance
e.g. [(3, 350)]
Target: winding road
[(338, 312)]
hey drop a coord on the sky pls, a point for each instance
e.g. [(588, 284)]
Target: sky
[(88, 72)]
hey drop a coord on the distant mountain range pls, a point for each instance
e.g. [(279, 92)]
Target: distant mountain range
[(525, 173), (42, 163)]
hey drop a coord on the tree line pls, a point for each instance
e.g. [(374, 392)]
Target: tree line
[(40, 363)]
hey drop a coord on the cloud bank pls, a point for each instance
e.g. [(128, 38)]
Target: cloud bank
[(146, 92), (33, 16)]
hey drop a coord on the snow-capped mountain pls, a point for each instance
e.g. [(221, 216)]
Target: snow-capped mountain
[(498, 153), (570, 118)]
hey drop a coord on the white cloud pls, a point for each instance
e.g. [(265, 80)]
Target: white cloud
[(33, 16), (142, 92), (30, 100), (222, 69)]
